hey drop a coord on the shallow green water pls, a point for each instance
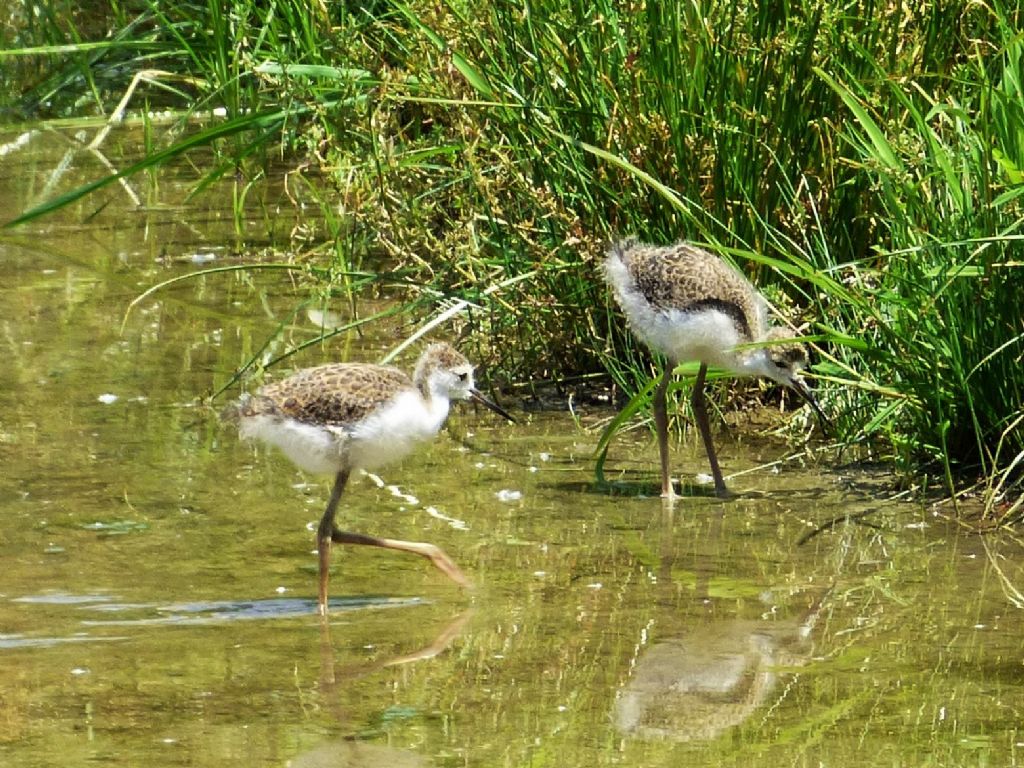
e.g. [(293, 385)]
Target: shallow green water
[(158, 586)]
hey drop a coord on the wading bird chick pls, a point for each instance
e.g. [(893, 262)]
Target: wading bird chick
[(688, 304), (340, 417)]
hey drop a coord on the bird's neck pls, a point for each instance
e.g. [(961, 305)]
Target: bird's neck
[(757, 363), (436, 402)]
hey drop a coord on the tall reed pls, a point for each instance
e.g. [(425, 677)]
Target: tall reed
[(863, 166)]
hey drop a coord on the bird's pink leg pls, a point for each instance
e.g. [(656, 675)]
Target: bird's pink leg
[(432, 552), (324, 534), (700, 414), (660, 409)]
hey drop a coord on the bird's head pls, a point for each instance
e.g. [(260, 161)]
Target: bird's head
[(783, 361), (443, 371)]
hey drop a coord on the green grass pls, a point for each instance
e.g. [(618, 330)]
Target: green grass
[(864, 167)]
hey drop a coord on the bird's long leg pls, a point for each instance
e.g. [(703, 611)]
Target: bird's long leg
[(324, 535), (700, 414), (433, 553), (327, 533), (661, 427)]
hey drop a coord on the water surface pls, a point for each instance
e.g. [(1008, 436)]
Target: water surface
[(156, 602)]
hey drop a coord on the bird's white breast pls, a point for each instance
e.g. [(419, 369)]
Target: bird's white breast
[(392, 431)]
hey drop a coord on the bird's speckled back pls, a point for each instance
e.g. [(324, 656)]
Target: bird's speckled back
[(686, 278), (336, 394)]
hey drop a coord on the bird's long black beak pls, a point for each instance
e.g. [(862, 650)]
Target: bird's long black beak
[(475, 395), (800, 386)]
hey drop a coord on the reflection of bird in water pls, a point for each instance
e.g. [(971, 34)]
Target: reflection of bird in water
[(693, 684), (356, 754), (688, 304), (351, 753), (693, 687), (345, 416)]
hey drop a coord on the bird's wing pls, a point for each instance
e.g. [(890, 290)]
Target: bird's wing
[(339, 394), (689, 279)]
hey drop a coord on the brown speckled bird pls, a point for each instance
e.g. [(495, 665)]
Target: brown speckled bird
[(688, 304), (339, 417)]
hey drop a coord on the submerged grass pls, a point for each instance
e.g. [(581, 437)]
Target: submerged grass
[(863, 166)]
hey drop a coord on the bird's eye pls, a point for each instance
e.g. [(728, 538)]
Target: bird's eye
[(781, 364), (463, 376)]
